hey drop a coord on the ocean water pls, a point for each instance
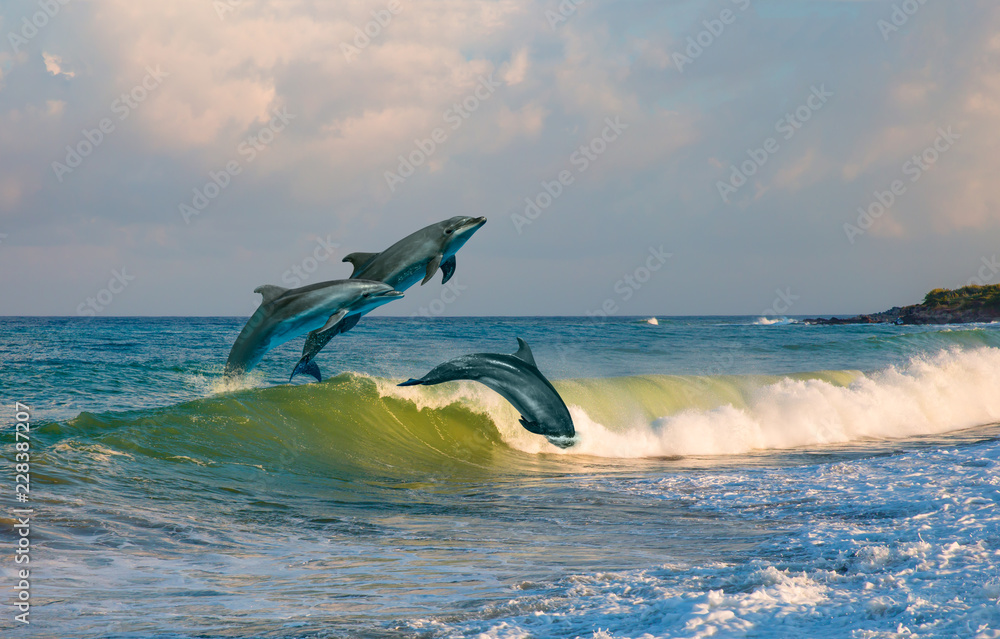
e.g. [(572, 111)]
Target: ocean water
[(735, 477)]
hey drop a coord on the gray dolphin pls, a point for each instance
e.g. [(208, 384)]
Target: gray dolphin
[(517, 378), (287, 313), (418, 255)]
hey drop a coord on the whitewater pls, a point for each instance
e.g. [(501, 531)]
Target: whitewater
[(733, 478)]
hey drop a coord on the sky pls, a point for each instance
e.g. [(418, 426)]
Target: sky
[(633, 157)]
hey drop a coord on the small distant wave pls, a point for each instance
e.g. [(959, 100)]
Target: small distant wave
[(652, 321), (780, 321)]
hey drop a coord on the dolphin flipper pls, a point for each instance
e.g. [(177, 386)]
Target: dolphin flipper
[(333, 321), (412, 382), (531, 427), (359, 261), (432, 268), (448, 268), (307, 366)]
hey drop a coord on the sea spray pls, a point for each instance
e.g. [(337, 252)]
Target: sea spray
[(949, 391), (655, 416)]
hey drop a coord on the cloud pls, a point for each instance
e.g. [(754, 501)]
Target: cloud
[(354, 116), (518, 67), (53, 64)]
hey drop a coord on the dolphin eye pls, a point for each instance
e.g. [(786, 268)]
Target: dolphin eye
[(448, 232), (367, 295)]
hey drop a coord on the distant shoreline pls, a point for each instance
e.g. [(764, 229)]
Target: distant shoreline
[(966, 305)]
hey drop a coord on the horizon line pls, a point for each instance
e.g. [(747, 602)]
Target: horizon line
[(419, 316)]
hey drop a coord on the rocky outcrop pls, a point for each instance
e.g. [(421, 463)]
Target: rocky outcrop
[(940, 306)]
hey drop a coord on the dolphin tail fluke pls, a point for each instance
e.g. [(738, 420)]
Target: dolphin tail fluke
[(412, 382), (309, 367)]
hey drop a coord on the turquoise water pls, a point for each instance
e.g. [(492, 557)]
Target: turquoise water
[(733, 478)]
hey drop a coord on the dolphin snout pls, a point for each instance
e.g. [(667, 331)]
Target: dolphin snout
[(469, 224)]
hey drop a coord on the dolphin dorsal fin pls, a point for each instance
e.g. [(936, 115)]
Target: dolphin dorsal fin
[(524, 352), (270, 292), (360, 260)]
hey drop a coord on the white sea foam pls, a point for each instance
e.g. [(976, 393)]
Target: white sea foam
[(782, 321), (214, 385), (95, 452), (854, 559), (949, 391)]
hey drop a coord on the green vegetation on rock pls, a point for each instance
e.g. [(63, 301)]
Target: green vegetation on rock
[(965, 297)]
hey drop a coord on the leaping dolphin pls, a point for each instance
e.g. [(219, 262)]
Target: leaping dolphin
[(416, 256), (287, 313), (517, 378)]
